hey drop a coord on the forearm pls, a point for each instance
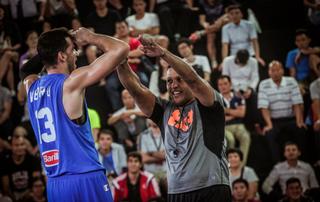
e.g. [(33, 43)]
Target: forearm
[(298, 113), (225, 50), (266, 116), (43, 8), (238, 113), (292, 72), (256, 47), (308, 4), (316, 109), (146, 158), (152, 4), (113, 119)]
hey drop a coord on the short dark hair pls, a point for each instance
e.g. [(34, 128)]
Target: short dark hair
[(51, 43), (135, 154), (293, 180), (237, 151), (184, 40), (224, 77), (291, 143), (233, 7), (122, 21), (106, 132), (302, 32), (240, 181), (242, 56)]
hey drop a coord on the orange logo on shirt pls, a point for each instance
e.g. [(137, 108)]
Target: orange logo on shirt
[(179, 122)]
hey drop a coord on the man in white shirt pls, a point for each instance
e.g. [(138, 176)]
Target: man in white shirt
[(142, 22)]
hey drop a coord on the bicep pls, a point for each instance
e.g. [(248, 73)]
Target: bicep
[(203, 92)]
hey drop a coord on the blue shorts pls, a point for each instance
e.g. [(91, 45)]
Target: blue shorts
[(86, 187)]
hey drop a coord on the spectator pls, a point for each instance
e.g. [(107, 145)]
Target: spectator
[(280, 101), (63, 8), (111, 155), (94, 123), (135, 184), (238, 170), (21, 168), (5, 111), (32, 42), (122, 7), (37, 193), (46, 26), (128, 121), (291, 167), (315, 96), (152, 150), (239, 34), (313, 11), (142, 22), (101, 17), (21, 132), (303, 61), (234, 112), (294, 191), (243, 71), (240, 191), (75, 23), (198, 62)]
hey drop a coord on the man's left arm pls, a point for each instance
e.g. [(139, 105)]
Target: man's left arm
[(297, 101)]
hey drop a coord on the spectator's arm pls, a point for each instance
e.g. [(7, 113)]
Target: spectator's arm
[(256, 48), (43, 5), (152, 4), (313, 183), (159, 154), (253, 188), (7, 110), (309, 4), (267, 185), (6, 186), (267, 118), (114, 118), (123, 158), (239, 112), (298, 112), (292, 72), (135, 53), (147, 158), (254, 80), (225, 50)]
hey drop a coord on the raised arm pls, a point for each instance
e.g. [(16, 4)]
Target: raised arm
[(200, 88), (142, 95)]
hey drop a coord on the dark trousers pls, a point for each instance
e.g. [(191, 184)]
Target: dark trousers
[(215, 193), (284, 130)]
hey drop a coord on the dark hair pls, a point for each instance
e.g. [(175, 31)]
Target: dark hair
[(293, 180), (37, 178), (224, 77), (233, 7), (106, 132), (290, 143), (242, 56), (122, 21), (51, 43), (136, 155), (184, 40), (240, 180), (301, 32), (235, 150)]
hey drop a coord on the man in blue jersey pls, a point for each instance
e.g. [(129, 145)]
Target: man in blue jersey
[(59, 117)]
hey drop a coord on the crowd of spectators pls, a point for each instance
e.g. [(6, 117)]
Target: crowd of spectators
[(283, 110)]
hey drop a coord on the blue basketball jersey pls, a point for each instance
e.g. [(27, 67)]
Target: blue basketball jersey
[(65, 147)]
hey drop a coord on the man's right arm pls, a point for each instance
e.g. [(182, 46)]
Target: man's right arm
[(142, 95)]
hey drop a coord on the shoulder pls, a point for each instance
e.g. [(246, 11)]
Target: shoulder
[(290, 80), (130, 18), (29, 80), (119, 180), (293, 52), (305, 165), (247, 23), (152, 15), (146, 176), (265, 83), (227, 26), (279, 166)]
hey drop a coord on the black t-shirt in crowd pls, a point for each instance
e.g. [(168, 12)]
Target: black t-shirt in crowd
[(103, 25), (20, 176)]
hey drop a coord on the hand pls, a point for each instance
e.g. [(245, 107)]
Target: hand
[(247, 93), (194, 37), (261, 61), (82, 36), (300, 124), (316, 126), (266, 129), (134, 32), (150, 47), (306, 51), (41, 18)]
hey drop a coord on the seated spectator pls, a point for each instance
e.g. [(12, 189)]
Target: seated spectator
[(94, 123), (32, 42), (75, 23), (111, 155), (199, 62), (239, 171), (151, 147), (291, 167), (234, 112), (239, 34), (135, 184), (243, 71), (123, 7), (20, 170), (302, 62), (294, 191), (128, 121), (101, 17), (142, 22), (37, 193), (5, 111), (280, 101), (240, 191)]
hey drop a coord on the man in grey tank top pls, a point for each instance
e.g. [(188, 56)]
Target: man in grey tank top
[(192, 128)]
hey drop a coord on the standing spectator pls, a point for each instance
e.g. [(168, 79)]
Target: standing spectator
[(303, 61), (103, 19), (5, 111), (135, 184), (111, 155), (280, 101), (291, 167), (94, 123), (128, 121), (234, 112), (238, 170), (21, 168), (239, 34), (151, 147), (240, 191), (199, 62), (294, 191), (142, 22)]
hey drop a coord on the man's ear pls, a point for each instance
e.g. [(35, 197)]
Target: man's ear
[(61, 57)]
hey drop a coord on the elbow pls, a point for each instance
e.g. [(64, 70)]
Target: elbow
[(124, 50)]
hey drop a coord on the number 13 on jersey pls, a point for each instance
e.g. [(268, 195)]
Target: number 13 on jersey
[(44, 118)]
